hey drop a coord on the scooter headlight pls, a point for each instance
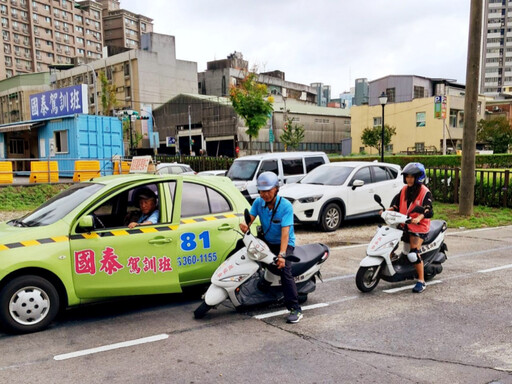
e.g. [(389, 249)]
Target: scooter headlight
[(234, 279), (257, 250)]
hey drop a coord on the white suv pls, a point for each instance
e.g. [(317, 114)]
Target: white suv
[(343, 190)]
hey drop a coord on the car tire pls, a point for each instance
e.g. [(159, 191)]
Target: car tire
[(201, 311), (28, 304), (331, 217)]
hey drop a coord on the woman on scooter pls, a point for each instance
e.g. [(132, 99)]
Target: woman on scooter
[(415, 200), (276, 217)]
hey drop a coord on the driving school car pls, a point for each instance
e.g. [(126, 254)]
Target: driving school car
[(77, 246)]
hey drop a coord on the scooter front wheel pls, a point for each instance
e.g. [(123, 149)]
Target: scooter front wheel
[(366, 280), (201, 310)]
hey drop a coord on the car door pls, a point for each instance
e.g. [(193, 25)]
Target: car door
[(360, 199), (113, 260), (387, 185), (205, 233)]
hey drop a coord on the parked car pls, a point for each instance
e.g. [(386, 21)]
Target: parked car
[(288, 166), (77, 246), (174, 169), (217, 172), (339, 191)]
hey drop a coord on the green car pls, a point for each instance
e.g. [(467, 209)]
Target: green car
[(79, 246)]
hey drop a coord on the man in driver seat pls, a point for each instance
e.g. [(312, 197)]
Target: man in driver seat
[(148, 208)]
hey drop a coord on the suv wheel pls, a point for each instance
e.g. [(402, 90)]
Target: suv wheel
[(331, 217)]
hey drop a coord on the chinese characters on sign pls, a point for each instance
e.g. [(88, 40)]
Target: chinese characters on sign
[(59, 102), (85, 263), (440, 107)]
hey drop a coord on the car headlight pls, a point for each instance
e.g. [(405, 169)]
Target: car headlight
[(310, 199)]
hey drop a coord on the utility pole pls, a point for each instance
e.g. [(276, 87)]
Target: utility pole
[(467, 192), (189, 131)]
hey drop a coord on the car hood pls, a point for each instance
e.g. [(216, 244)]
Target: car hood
[(297, 191), (27, 235)]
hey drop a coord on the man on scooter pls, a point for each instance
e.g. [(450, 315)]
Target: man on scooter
[(415, 200), (276, 217)]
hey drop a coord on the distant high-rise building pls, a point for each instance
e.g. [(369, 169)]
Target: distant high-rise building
[(496, 67), (323, 93), (36, 34), (361, 92)]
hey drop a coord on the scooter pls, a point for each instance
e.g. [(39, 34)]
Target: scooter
[(244, 279), (383, 263)]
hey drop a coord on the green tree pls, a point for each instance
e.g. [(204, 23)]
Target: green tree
[(496, 132), (108, 95), (249, 99), (372, 137), (292, 135)]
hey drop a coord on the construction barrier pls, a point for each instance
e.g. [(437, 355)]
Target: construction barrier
[(125, 167), (6, 176), (86, 169), (39, 172)]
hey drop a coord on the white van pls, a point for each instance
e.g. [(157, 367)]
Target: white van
[(290, 167)]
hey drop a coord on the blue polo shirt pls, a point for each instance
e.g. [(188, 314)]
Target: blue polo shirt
[(282, 218), (152, 217)]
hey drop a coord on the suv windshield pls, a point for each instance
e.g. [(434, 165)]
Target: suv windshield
[(327, 175), (58, 206), (243, 170)]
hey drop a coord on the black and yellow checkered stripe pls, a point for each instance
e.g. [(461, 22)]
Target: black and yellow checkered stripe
[(118, 232)]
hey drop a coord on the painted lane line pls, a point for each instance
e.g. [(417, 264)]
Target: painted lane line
[(495, 268), (284, 312), (406, 287), (110, 347), (342, 277)]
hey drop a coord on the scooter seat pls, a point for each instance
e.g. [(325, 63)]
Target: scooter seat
[(309, 255), (436, 227)]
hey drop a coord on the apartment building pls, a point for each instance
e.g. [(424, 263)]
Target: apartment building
[(421, 125), (36, 34), (496, 66), (221, 74), (122, 28)]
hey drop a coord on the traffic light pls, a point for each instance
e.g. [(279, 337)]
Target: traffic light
[(142, 117)]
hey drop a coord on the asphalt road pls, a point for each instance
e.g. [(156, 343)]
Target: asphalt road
[(458, 331)]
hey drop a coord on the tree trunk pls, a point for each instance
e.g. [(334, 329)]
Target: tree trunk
[(467, 191)]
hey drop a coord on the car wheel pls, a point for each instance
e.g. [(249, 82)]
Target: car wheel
[(201, 311), (331, 218), (366, 280), (28, 304)]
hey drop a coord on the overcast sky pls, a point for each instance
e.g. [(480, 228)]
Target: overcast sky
[(329, 41)]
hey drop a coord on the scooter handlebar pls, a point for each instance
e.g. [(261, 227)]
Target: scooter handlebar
[(395, 218)]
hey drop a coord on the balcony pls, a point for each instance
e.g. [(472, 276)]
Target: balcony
[(17, 53)]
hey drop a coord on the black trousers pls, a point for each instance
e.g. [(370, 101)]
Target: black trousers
[(291, 298)]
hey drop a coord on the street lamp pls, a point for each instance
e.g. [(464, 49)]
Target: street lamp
[(383, 99)]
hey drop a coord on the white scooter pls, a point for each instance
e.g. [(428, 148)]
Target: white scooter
[(244, 279), (383, 263)]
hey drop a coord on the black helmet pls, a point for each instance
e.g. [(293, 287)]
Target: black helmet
[(415, 169)]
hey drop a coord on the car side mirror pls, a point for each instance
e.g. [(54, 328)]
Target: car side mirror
[(357, 184), (86, 223)]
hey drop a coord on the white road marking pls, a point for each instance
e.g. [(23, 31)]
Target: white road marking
[(110, 347), (283, 312), (342, 277), (495, 268), (406, 287)]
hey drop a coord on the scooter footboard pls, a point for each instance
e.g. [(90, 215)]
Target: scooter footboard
[(215, 295)]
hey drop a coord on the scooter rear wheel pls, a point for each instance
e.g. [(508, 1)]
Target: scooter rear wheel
[(202, 310), (366, 280)]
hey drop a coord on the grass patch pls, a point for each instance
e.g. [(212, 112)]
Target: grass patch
[(483, 216), (27, 197)]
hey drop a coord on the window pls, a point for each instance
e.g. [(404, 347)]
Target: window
[(362, 174), (421, 119), (380, 174), (199, 200), (218, 203), (419, 147), (292, 167), (16, 146), (391, 93), (269, 166), (126, 69), (61, 141), (313, 162), (419, 92), (377, 121)]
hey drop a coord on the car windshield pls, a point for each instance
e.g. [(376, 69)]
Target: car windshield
[(327, 175), (58, 206), (243, 170)]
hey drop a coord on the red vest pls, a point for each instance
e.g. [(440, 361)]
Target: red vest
[(424, 225)]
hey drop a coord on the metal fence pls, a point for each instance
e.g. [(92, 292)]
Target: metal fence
[(491, 186)]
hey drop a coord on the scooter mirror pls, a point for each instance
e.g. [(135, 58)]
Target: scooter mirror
[(377, 198), (292, 258), (247, 216)]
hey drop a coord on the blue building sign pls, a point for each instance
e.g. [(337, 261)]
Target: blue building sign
[(59, 102)]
